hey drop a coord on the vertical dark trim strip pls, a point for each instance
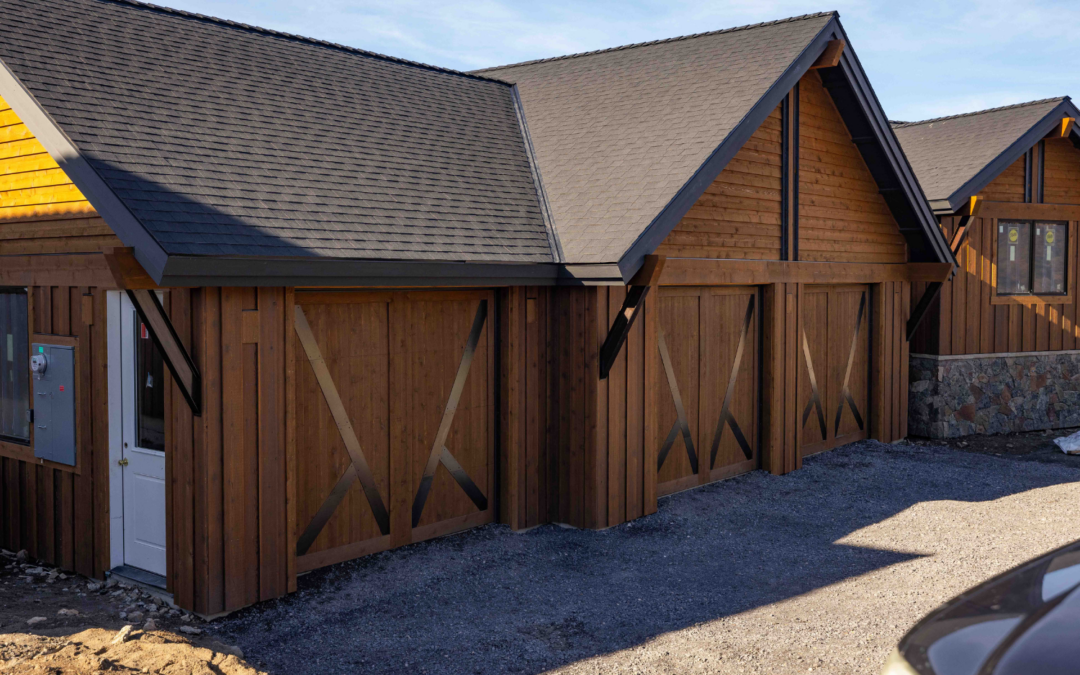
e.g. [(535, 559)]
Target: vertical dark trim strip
[(1042, 169), (785, 174), (795, 172), (1027, 176)]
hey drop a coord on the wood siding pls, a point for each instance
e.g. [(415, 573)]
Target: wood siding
[(739, 216), (963, 321), (226, 488), (41, 210), (1061, 172), (1008, 186), (58, 514), (842, 216)]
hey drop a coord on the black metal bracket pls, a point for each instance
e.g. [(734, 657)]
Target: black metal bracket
[(173, 352), (636, 291), (932, 290)]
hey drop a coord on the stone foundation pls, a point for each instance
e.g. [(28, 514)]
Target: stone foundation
[(993, 393)]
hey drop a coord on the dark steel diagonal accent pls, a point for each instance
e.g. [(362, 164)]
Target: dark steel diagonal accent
[(845, 391), (815, 398), (358, 467), (725, 410), (439, 453), (681, 422)]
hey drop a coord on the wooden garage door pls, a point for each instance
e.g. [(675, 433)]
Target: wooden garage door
[(834, 358), (709, 360), (395, 417)]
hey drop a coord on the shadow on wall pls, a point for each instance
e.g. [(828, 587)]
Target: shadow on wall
[(491, 601)]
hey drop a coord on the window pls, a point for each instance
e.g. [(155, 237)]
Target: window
[(1031, 258), (149, 390), (14, 366)]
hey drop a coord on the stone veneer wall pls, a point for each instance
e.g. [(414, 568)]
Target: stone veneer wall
[(993, 393)]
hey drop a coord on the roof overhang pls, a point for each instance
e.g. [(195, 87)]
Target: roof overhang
[(861, 111), (959, 199)]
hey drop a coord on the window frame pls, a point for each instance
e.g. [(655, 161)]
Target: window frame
[(1033, 299), (11, 440)]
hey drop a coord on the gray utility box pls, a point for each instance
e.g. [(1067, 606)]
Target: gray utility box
[(54, 402)]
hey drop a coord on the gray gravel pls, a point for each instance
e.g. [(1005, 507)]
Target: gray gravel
[(821, 570)]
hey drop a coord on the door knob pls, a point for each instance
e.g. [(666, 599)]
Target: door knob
[(123, 462)]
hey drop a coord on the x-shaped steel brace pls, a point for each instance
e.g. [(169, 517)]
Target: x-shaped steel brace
[(358, 467), (845, 391), (726, 418), (439, 453), (815, 397), (681, 423)]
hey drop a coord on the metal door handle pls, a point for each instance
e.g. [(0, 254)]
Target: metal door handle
[(123, 462)]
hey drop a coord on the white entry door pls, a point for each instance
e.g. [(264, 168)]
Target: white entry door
[(143, 453)]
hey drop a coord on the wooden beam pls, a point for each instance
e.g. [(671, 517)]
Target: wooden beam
[(1064, 130), (830, 58), (127, 271), (647, 277), (1023, 211), (707, 272), (960, 235), (77, 269), (919, 313), (173, 352)]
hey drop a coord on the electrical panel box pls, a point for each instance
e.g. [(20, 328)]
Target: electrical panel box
[(54, 402)]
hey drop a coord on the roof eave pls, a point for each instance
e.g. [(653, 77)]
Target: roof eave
[(988, 173), (123, 223), (196, 271)]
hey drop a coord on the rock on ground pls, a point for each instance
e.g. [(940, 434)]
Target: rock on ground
[(94, 650)]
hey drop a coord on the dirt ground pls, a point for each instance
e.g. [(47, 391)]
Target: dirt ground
[(821, 570), (61, 624)]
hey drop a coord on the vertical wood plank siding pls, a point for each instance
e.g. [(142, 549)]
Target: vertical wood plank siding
[(229, 545), (57, 515)]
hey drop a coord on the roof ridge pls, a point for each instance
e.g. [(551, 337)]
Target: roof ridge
[(635, 45), (299, 38), (902, 125)]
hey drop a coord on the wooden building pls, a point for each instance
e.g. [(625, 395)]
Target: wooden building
[(270, 303), (999, 349)]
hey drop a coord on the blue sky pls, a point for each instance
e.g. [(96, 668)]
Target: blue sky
[(925, 59)]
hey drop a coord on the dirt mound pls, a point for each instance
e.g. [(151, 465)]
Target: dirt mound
[(96, 651)]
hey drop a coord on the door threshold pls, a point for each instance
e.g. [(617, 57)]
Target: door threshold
[(147, 581)]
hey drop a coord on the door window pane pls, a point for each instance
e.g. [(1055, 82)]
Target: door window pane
[(149, 390), (1013, 258), (14, 366), (1048, 264)]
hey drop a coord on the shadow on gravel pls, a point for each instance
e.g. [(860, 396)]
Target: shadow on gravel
[(492, 601)]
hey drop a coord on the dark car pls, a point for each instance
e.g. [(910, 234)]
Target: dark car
[(1023, 622)]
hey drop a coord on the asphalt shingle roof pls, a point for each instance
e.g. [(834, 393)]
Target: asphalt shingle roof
[(947, 152), (617, 133), (228, 140)]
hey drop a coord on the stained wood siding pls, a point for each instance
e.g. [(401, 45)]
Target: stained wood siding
[(963, 321), (739, 216), (226, 492), (58, 515), (1061, 172), (889, 354), (1008, 186), (41, 210), (842, 216)]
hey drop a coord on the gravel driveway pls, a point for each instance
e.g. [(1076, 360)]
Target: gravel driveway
[(821, 570)]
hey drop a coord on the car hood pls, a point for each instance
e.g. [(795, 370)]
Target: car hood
[(1024, 621)]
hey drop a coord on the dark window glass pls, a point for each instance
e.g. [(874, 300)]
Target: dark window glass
[(1014, 258), (1048, 258), (14, 366), (149, 390)]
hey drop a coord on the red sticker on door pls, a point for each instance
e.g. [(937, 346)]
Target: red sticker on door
[(61, 387)]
